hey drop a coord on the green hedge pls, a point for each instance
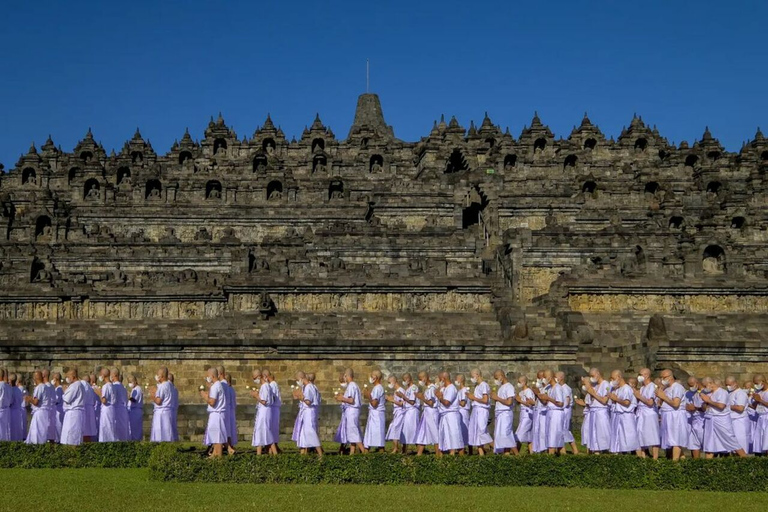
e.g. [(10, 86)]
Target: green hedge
[(88, 455), (604, 471)]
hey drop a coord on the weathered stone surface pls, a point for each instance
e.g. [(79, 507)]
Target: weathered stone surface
[(466, 248)]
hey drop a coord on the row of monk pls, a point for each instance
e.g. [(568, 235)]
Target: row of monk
[(624, 415)]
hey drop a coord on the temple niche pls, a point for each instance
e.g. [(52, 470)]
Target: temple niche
[(529, 248)]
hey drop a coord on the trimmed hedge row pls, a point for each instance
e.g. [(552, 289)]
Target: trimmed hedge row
[(606, 472), (88, 455)]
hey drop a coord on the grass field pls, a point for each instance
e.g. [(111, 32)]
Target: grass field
[(131, 490)]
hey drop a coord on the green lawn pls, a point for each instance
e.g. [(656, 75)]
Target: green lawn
[(131, 490)]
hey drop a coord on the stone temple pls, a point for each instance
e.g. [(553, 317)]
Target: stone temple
[(468, 248)]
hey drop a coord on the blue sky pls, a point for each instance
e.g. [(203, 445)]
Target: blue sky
[(163, 66)]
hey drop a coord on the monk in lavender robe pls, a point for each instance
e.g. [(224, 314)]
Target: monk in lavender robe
[(174, 406), (480, 397), (216, 434), (411, 413), (623, 421), (527, 401), (539, 429), (738, 403), (760, 428), (647, 415), (42, 401), (503, 435), (674, 418), (90, 428), (122, 422), (568, 417), (348, 432), (162, 417), (107, 421), (554, 401), (427, 433), (53, 432), (395, 429), (262, 428), (309, 398), (450, 438), (135, 409), (6, 397), (599, 417), (231, 411), (297, 390), (376, 424), (718, 428), (275, 408), (75, 404), (695, 408), (18, 418), (465, 406), (586, 427), (95, 383), (59, 392)]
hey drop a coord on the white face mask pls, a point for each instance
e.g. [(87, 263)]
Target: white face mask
[(131, 384), (298, 383), (665, 382), (68, 380), (519, 386), (497, 382), (208, 380), (473, 380), (157, 379), (758, 387), (101, 378), (457, 384), (640, 379), (257, 381), (593, 380), (694, 388), (614, 384), (584, 388), (405, 383), (731, 389), (391, 386), (343, 384), (422, 383), (371, 380)]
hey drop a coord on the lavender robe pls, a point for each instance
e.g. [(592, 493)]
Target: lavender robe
[(648, 434), (524, 432), (59, 391), (162, 417), (695, 421), (503, 435), (718, 428), (449, 427), (136, 414), (466, 412), (216, 429), (18, 418), (274, 410), (478, 420), (297, 421), (348, 430), (556, 417), (40, 428), (586, 425), (395, 429), (107, 419), (174, 410), (624, 422), (674, 421), (74, 398), (6, 397), (427, 433), (742, 426), (231, 413), (408, 434), (375, 426), (539, 431), (90, 428), (568, 407), (306, 434), (122, 423), (599, 420), (262, 422), (760, 429)]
